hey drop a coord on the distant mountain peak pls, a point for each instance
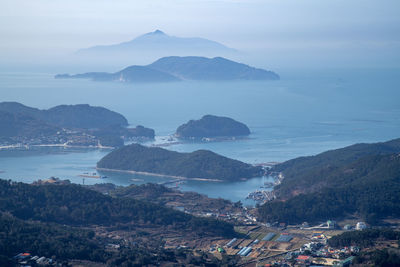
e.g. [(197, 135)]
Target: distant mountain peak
[(156, 32), (156, 44)]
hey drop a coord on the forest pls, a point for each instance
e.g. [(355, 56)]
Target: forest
[(75, 205), (59, 221), (330, 168), (63, 243), (197, 164), (364, 238), (368, 188)]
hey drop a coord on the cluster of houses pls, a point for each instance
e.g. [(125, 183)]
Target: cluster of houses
[(26, 259), (297, 258), (315, 252), (242, 216), (61, 138)]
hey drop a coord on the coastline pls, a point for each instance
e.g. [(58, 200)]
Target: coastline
[(53, 145), (160, 175)]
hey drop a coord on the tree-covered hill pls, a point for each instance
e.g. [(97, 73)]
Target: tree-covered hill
[(364, 238), (368, 187), (12, 125), (212, 126), (217, 68), (78, 206), (198, 164), (63, 243), (81, 116), (174, 68), (310, 174), (66, 124)]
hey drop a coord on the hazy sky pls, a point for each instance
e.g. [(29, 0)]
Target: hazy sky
[(283, 32)]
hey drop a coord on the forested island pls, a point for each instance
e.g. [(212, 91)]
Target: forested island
[(170, 69), (210, 126), (202, 164), (360, 180), (70, 125)]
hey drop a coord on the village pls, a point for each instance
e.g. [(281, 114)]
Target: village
[(62, 138), (267, 244), (264, 244), (258, 244)]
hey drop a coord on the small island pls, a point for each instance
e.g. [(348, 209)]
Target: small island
[(172, 69), (210, 126), (65, 125), (200, 164)]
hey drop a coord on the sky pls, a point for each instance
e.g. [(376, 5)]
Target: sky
[(275, 33)]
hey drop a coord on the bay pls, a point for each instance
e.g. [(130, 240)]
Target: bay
[(306, 112)]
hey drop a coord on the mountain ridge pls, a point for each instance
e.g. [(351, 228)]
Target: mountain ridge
[(174, 68), (159, 40), (72, 116), (200, 164), (361, 180)]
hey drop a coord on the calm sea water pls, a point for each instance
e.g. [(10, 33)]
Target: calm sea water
[(307, 112)]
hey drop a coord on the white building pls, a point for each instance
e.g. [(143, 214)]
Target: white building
[(361, 226)]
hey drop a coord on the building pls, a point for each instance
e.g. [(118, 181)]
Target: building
[(269, 236), (346, 262), (361, 226), (230, 243), (303, 259), (331, 224)]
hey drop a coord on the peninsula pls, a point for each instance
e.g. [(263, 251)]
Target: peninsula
[(361, 180), (202, 164), (65, 125)]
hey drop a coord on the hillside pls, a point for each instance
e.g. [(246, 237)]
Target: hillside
[(75, 205), (128, 133), (12, 125), (81, 116), (192, 202), (218, 68), (309, 174), (66, 222), (367, 185), (170, 69), (74, 125), (199, 164), (212, 126)]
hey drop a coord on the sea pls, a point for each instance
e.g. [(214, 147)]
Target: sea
[(307, 112)]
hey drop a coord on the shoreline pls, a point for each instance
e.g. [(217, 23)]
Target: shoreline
[(160, 175), (203, 140), (53, 145)]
